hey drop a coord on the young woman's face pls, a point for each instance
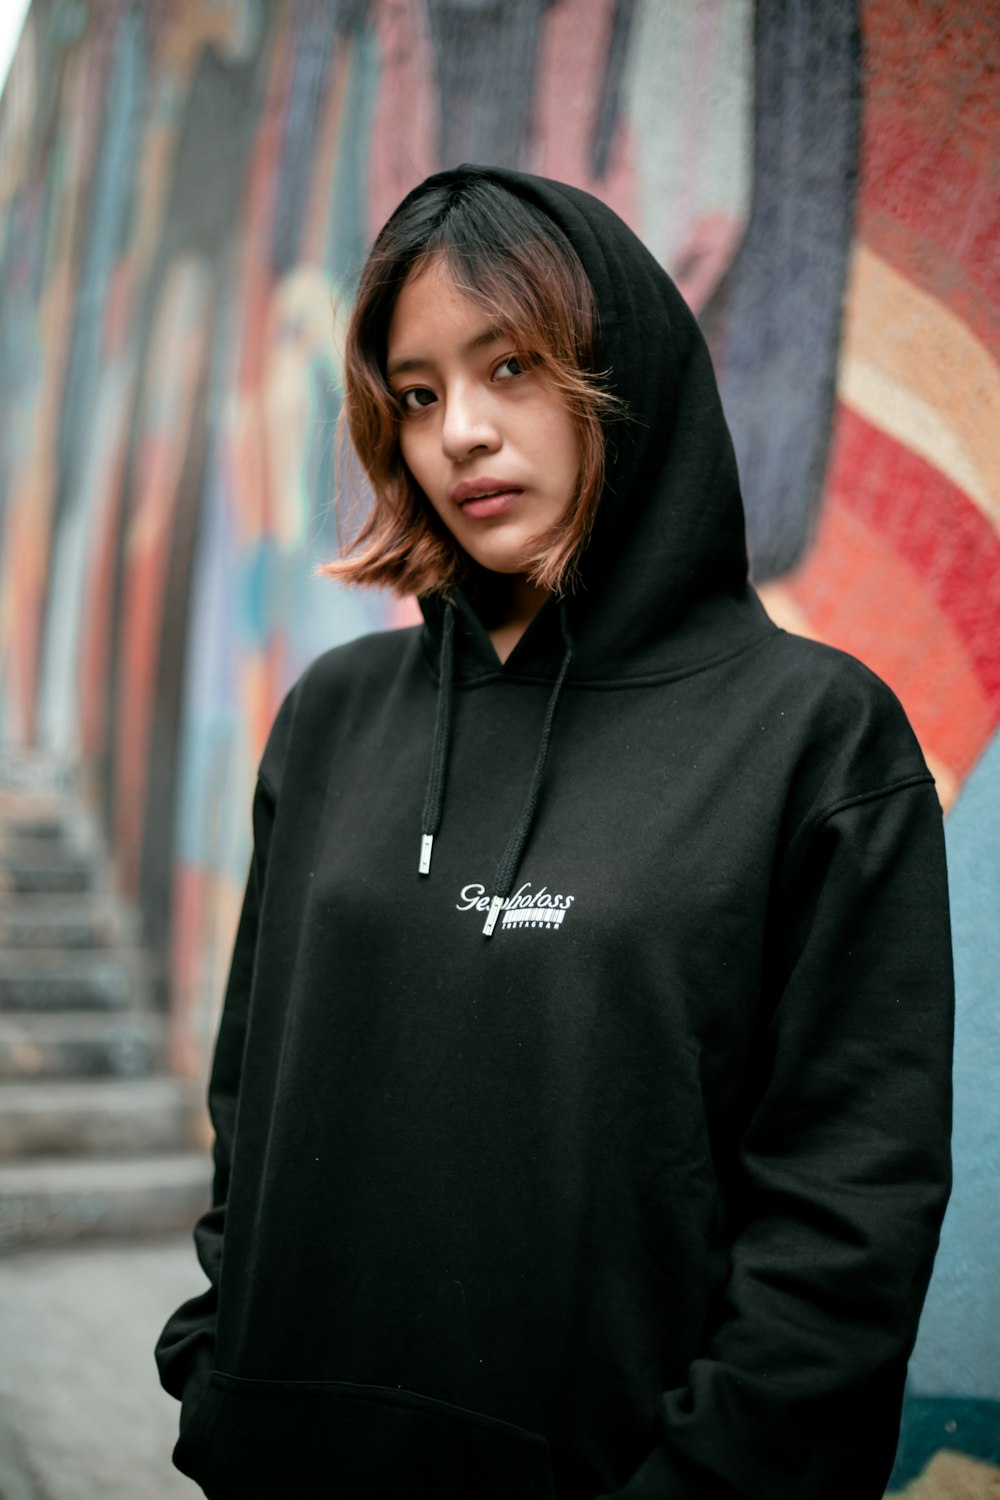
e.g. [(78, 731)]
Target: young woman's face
[(488, 440)]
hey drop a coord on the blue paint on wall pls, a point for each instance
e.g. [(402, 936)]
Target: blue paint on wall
[(347, 229), (783, 298), (934, 1422), (958, 1347)]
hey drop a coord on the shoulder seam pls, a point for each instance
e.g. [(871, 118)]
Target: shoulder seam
[(917, 778)]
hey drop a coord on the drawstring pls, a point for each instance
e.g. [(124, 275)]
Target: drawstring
[(434, 800), (507, 868)]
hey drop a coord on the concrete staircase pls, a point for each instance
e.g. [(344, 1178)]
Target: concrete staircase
[(95, 1137)]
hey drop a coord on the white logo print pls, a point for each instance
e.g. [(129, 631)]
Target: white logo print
[(526, 908)]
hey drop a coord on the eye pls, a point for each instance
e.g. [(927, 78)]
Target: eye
[(417, 398), (514, 364)]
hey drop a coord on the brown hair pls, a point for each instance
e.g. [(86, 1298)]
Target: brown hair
[(512, 260)]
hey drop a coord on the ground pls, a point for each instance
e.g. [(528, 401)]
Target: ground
[(82, 1415)]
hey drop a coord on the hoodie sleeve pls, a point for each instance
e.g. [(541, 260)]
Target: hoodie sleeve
[(844, 1174), (185, 1349)]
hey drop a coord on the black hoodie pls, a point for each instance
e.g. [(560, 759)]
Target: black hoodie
[(639, 1196)]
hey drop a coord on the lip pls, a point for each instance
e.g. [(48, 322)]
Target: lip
[(490, 505), (485, 495)]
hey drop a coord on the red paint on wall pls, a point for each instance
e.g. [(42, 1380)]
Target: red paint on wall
[(946, 198), (861, 594), (934, 64), (918, 257), (905, 569), (933, 527), (403, 147), (571, 65)]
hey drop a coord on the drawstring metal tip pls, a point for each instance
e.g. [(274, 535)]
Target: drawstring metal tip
[(491, 920), (426, 845)]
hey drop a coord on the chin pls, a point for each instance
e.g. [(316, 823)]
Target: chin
[(506, 569), (506, 562)]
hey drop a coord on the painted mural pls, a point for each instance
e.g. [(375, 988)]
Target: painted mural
[(187, 190)]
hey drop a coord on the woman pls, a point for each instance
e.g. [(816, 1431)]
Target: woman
[(589, 1137)]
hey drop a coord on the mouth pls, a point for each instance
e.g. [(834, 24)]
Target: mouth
[(486, 496)]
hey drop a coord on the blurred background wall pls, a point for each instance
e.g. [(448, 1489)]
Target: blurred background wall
[(187, 190)]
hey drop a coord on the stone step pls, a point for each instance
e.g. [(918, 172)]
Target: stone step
[(31, 821), (100, 1115), (49, 1200), (51, 920), (63, 1044), (45, 813), (38, 979), (44, 817), (28, 843), (46, 820), (56, 872), (29, 773), (62, 851)]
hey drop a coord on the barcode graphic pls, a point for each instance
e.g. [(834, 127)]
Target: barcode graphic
[(534, 916)]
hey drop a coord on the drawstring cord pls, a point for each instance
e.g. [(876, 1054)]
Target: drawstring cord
[(507, 868), (434, 800)]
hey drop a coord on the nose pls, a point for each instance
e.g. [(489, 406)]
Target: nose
[(469, 424)]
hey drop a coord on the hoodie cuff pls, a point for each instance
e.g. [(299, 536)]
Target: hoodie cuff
[(196, 1380)]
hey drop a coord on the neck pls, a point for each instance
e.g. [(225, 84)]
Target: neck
[(525, 600)]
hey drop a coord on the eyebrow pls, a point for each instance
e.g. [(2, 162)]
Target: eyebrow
[(491, 335)]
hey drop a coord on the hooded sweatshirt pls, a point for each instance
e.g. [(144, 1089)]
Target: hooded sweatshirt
[(636, 1198)]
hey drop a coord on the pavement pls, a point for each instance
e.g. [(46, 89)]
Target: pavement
[(82, 1413)]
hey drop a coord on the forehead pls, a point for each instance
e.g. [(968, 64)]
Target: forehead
[(433, 318)]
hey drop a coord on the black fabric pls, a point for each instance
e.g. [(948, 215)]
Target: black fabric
[(508, 866), (639, 1197), (434, 800)]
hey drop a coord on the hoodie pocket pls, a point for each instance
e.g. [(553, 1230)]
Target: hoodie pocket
[(331, 1440)]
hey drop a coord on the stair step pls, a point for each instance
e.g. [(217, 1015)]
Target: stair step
[(76, 1044), (31, 821), (41, 816), (47, 920), (48, 873), (36, 801), (26, 773), (33, 838), (29, 852), (37, 979), (94, 1137), (99, 1115), (51, 1199)]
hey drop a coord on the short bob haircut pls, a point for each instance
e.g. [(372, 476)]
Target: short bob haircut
[(511, 259)]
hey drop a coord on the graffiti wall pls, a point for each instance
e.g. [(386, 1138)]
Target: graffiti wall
[(187, 189)]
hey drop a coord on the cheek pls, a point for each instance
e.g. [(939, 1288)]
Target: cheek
[(568, 445), (559, 438), (406, 451), (416, 457)]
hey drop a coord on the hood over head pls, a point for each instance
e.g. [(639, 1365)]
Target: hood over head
[(663, 578), (664, 574)]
